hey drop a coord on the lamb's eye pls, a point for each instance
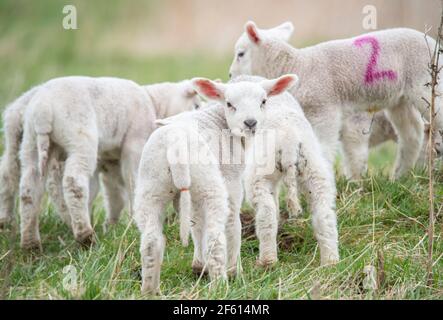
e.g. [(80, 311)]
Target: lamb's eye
[(196, 106), (230, 106), (240, 54), (263, 102)]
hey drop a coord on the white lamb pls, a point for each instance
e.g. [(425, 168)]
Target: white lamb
[(73, 124), (168, 99), (379, 70), (364, 131), (299, 161), (208, 175)]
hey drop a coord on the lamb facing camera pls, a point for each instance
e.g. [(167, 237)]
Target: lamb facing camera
[(210, 187)]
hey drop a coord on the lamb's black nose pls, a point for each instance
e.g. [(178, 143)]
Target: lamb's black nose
[(230, 75), (250, 123)]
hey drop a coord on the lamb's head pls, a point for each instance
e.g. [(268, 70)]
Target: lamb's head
[(244, 102), (184, 99), (171, 98), (248, 45)]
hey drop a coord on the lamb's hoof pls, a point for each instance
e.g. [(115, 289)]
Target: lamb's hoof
[(294, 208), (109, 224), (330, 261), (197, 269), (232, 273), (33, 245), (86, 239), (266, 264), (148, 289)]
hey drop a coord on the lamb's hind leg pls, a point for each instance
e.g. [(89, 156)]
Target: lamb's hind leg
[(9, 165), (76, 179), (9, 183), (410, 130), (31, 194), (55, 189), (148, 212), (54, 185)]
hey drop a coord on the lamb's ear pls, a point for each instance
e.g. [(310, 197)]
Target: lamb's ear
[(283, 31), (253, 32), (209, 89), (279, 85)]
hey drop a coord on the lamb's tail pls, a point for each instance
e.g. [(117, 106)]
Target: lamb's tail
[(43, 144), (13, 122), (182, 180), (43, 128)]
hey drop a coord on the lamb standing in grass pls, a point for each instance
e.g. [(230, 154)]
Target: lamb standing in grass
[(379, 70), (168, 99), (364, 131), (208, 175), (299, 161), (84, 121)]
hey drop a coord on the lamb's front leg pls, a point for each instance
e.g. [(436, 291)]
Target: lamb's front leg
[(355, 143), (410, 130), (215, 205), (233, 226), (198, 261), (114, 192), (266, 219), (328, 135)]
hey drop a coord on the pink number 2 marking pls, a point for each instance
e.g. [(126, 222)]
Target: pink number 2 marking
[(372, 74)]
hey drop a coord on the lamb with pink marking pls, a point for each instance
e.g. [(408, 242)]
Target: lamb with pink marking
[(380, 70)]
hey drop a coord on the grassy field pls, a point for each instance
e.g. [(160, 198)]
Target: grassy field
[(381, 223)]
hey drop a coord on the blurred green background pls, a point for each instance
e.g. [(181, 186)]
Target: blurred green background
[(34, 47)]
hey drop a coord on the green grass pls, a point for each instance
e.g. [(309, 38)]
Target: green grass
[(379, 220)]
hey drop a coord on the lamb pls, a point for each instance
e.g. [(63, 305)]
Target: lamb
[(364, 131), (168, 99), (299, 161), (207, 176), (379, 70), (67, 130)]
